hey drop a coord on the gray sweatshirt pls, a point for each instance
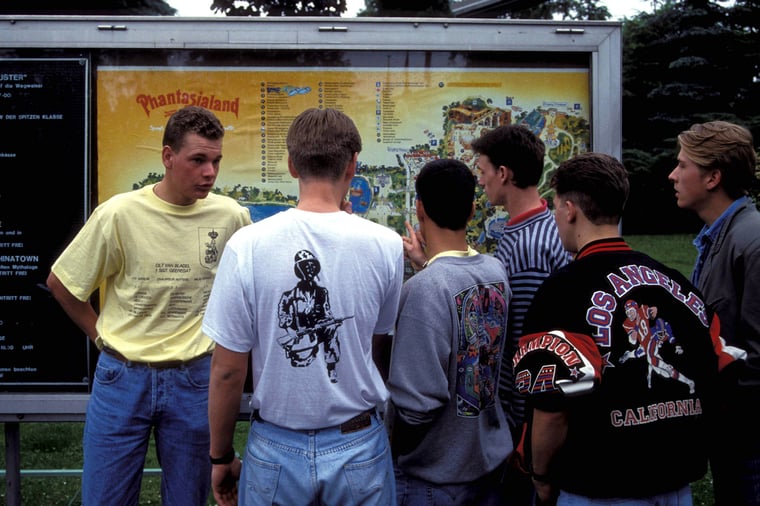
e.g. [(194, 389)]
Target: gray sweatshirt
[(446, 423)]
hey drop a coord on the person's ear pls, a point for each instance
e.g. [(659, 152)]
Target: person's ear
[(421, 220), (504, 173), (351, 168), (572, 211), (713, 179), (167, 155), (565, 211), (472, 212), (292, 169)]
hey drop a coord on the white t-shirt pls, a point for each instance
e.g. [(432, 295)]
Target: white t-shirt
[(305, 292)]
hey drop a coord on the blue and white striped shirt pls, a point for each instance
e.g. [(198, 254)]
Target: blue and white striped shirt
[(530, 250)]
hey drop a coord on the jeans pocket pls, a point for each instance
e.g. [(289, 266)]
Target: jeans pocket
[(108, 370), (368, 480), (259, 481), (197, 373)]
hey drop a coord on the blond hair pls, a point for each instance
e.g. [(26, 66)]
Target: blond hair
[(723, 146)]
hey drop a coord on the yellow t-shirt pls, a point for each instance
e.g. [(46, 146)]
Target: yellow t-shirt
[(155, 263)]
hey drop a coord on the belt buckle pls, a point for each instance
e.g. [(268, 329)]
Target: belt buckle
[(357, 423)]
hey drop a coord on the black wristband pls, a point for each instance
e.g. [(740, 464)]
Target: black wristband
[(543, 478), (224, 459)]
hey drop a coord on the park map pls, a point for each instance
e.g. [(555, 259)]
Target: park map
[(406, 118)]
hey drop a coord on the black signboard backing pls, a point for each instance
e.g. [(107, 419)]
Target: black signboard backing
[(43, 201)]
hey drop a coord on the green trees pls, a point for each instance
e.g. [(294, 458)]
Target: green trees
[(406, 8), (280, 7), (562, 9), (531, 9), (687, 62), (89, 7)]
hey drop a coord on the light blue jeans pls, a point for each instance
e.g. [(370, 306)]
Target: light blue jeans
[(415, 492), (309, 467), (680, 497), (128, 402)]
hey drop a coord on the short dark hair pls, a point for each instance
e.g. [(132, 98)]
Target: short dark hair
[(321, 142), (597, 183), (446, 188), (515, 147), (726, 147), (191, 119)]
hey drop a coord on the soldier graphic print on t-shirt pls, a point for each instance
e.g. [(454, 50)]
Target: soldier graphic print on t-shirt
[(304, 312)]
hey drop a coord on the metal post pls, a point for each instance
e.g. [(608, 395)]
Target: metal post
[(12, 464)]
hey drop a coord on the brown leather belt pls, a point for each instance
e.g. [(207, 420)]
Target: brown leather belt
[(166, 364), (357, 423)]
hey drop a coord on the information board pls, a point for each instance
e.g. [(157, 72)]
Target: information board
[(84, 100), (43, 198)]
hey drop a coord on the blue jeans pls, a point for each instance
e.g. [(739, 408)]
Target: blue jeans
[(128, 401), (680, 497), (283, 466), (414, 492)]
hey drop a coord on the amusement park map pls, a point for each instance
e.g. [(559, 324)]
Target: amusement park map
[(386, 194), (406, 118)]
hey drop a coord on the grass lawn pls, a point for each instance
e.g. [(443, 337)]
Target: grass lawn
[(51, 453), (50, 448), (676, 251)]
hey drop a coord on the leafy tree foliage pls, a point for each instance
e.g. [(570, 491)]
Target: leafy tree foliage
[(562, 9), (407, 8), (280, 7), (88, 7), (688, 62), (548, 9)]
